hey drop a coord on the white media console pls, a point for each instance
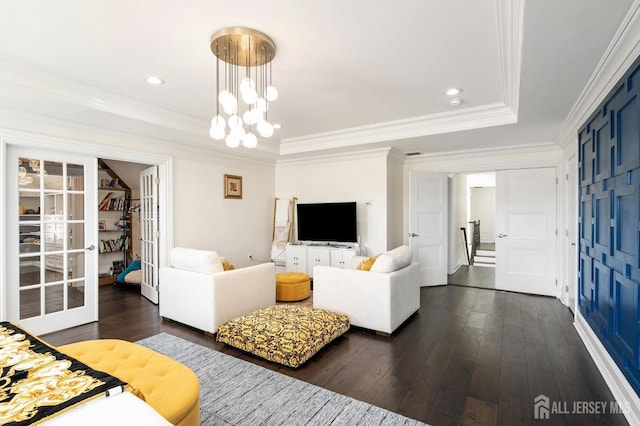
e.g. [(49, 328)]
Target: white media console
[(303, 257)]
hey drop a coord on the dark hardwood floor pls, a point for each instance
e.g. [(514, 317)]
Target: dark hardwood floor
[(470, 356), (474, 276)]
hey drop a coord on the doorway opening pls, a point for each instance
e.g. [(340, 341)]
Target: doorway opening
[(478, 231), (119, 224)]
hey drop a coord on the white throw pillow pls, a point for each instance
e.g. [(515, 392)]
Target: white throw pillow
[(205, 262), (393, 260)]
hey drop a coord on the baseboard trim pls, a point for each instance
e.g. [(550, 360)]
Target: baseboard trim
[(623, 392), (455, 269)]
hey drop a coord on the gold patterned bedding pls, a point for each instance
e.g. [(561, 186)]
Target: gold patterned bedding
[(39, 382), (286, 334)]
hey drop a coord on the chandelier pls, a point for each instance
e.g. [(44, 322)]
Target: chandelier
[(243, 86)]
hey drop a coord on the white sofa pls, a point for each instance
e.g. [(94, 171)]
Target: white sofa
[(375, 299), (195, 289)]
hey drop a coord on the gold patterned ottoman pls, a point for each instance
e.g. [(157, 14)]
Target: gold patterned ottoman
[(286, 334)]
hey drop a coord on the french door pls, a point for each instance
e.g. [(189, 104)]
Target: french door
[(51, 231), (149, 233)]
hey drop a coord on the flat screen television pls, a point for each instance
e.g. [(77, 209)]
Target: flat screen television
[(327, 222)]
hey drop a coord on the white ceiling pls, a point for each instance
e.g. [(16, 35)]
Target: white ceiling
[(351, 74)]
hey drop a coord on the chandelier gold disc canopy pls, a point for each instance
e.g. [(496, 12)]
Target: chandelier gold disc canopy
[(243, 46)]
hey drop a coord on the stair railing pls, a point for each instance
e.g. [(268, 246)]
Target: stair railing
[(465, 243), (475, 241)]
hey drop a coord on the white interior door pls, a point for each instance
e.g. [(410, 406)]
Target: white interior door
[(526, 231), (149, 233), (428, 225), (52, 231)]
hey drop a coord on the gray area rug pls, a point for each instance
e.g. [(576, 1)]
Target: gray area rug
[(237, 392)]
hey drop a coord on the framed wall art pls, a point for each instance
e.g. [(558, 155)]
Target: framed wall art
[(233, 186)]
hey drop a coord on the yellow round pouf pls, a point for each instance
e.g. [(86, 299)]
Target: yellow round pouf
[(168, 386), (292, 286)]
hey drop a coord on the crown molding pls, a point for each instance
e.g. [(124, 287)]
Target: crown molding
[(623, 50), (40, 141), (397, 154), (465, 119), (544, 148), (324, 158), (510, 20), (102, 141)]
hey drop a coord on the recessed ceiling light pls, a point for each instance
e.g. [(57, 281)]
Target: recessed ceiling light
[(153, 80), (277, 126), (455, 102), (454, 91)]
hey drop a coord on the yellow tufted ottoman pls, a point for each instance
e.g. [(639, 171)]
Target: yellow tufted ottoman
[(292, 286), (168, 386)]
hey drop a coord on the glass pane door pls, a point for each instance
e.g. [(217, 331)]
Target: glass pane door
[(55, 284)]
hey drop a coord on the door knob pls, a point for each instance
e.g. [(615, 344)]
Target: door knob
[(502, 235), (91, 247), (413, 234)]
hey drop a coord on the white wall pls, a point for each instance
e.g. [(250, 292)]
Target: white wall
[(483, 208), (360, 177), (204, 219), (481, 179), (395, 165), (457, 220)]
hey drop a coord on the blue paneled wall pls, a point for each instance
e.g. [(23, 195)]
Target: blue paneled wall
[(609, 224)]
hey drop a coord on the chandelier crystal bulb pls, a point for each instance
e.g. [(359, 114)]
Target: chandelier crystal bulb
[(232, 141), (257, 115), (249, 96), (218, 121), (249, 140), (271, 93), (247, 83), (262, 104), (237, 132), (230, 102), (234, 121), (217, 133), (22, 171), (247, 117), (222, 97), (229, 109), (265, 129)]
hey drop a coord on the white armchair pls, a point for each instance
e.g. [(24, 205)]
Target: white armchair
[(374, 299), (195, 290)]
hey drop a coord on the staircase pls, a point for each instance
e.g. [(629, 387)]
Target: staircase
[(478, 254), (485, 256)]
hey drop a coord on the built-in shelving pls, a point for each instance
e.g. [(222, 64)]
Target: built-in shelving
[(114, 225)]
